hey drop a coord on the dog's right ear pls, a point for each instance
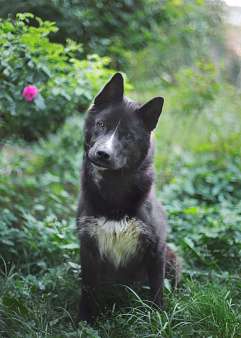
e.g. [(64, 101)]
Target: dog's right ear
[(150, 112), (113, 91)]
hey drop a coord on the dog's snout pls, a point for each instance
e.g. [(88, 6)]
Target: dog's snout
[(102, 154)]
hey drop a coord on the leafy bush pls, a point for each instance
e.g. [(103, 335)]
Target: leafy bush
[(46, 174), (91, 22), (65, 83), (203, 204), (121, 28)]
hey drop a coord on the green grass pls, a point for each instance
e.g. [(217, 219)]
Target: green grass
[(198, 181)]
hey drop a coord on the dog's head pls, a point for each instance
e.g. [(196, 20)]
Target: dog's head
[(117, 129)]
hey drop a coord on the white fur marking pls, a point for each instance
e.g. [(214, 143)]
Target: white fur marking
[(109, 143), (117, 241)]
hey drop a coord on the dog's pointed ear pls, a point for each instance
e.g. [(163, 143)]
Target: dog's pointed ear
[(150, 112), (113, 91)]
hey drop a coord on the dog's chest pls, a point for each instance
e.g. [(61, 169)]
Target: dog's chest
[(118, 241)]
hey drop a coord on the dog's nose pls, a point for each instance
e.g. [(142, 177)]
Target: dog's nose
[(102, 155)]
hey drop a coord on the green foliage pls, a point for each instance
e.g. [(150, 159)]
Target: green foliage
[(33, 305), (106, 28), (166, 33), (39, 265), (202, 190), (46, 174), (206, 215), (185, 31), (84, 331), (65, 84), (195, 88)]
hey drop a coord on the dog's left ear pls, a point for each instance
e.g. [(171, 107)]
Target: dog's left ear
[(150, 112), (113, 91)]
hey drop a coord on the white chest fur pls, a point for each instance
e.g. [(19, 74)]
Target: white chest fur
[(117, 241)]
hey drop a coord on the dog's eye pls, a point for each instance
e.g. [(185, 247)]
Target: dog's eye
[(101, 125), (128, 136)]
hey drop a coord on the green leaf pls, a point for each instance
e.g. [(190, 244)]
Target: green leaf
[(15, 305), (7, 27), (25, 16), (193, 211), (33, 244)]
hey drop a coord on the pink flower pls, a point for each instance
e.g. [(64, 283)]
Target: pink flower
[(30, 92)]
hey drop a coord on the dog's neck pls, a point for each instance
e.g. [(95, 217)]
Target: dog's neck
[(115, 194)]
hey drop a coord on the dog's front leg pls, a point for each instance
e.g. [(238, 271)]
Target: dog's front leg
[(90, 285), (155, 270)]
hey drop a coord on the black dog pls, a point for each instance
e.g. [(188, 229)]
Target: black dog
[(121, 225)]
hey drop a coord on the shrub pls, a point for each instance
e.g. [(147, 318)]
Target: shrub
[(65, 84)]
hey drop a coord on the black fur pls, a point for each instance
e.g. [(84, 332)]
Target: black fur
[(117, 184)]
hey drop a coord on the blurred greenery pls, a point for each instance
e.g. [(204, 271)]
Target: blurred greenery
[(166, 48), (168, 33)]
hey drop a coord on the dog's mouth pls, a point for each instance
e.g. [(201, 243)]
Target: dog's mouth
[(101, 166), (98, 167)]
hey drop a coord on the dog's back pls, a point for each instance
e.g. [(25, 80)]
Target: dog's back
[(121, 224)]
